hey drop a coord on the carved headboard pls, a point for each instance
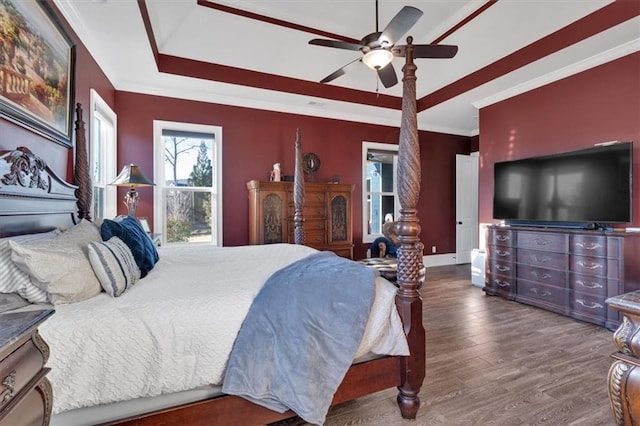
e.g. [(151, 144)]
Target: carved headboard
[(33, 198)]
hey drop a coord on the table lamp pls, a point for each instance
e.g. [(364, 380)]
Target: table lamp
[(131, 176)]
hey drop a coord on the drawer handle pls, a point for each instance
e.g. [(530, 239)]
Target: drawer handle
[(503, 253), (503, 237), (592, 246), (9, 381), (501, 283), (502, 268), (541, 242), (318, 239), (590, 265), (543, 276), (593, 305), (319, 212), (541, 259), (543, 293), (585, 285)]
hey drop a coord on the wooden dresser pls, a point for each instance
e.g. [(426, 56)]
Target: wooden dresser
[(25, 393), (571, 272), (327, 215)]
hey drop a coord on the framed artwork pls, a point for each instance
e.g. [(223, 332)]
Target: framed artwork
[(36, 69)]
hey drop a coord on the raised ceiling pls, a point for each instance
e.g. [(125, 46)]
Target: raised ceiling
[(256, 53)]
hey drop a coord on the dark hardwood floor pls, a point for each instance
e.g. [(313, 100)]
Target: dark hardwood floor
[(495, 362)]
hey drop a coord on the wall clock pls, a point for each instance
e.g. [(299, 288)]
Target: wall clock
[(310, 163)]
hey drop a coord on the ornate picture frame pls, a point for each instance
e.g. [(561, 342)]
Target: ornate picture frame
[(36, 69)]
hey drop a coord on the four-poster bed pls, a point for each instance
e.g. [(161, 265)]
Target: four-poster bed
[(37, 212)]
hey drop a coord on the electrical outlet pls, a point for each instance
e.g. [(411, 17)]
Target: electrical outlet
[(433, 249)]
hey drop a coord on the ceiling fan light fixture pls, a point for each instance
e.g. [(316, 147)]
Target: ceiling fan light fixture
[(377, 59)]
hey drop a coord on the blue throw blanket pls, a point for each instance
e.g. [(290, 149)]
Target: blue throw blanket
[(301, 334)]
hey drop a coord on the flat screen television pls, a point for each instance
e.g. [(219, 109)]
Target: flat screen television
[(589, 188)]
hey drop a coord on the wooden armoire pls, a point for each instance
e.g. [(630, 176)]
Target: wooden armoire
[(327, 215)]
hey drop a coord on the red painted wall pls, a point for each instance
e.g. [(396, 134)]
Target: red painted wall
[(597, 105), (253, 140), (88, 75)]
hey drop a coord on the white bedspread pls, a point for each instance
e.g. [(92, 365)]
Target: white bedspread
[(175, 328)]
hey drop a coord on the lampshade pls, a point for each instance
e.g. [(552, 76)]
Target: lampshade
[(131, 176), (377, 59)]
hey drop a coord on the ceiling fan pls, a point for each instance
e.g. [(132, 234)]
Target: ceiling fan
[(379, 48)]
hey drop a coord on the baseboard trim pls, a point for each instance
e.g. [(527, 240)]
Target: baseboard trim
[(439, 259)]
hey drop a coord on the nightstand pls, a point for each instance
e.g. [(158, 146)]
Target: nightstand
[(25, 393)]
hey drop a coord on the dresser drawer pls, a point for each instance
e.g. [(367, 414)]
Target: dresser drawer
[(503, 268), (501, 285), (17, 369), (542, 275), (314, 238), (309, 225), (589, 245), (502, 253), (311, 198), (588, 305), (502, 237), (589, 284), (543, 295), (543, 259), (311, 212), (595, 266), (542, 241)]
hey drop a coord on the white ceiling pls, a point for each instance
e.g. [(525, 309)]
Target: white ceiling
[(114, 32)]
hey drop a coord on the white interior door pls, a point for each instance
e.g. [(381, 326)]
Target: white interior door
[(466, 206)]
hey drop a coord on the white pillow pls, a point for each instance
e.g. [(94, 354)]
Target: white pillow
[(114, 265), (61, 266), (12, 278)]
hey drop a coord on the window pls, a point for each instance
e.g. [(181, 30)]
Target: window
[(188, 178), (102, 157), (379, 195)]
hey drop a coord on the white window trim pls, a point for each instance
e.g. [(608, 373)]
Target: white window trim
[(110, 154), (366, 146), (159, 213)]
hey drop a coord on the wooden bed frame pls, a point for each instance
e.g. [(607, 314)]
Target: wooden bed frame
[(41, 201)]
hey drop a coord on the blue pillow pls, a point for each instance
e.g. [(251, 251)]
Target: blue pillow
[(129, 230)]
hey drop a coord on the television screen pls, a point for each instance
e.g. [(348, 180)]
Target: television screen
[(589, 187)]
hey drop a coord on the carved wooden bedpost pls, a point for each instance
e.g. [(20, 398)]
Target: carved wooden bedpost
[(409, 257), (298, 193), (81, 174)]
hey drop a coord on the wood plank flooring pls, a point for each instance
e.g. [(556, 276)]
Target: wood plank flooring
[(496, 362)]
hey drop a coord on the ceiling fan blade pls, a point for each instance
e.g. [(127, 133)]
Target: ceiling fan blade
[(388, 76), (335, 43), (338, 72), (400, 24), (427, 51)]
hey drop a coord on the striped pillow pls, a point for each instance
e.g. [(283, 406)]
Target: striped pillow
[(114, 265), (12, 278)]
